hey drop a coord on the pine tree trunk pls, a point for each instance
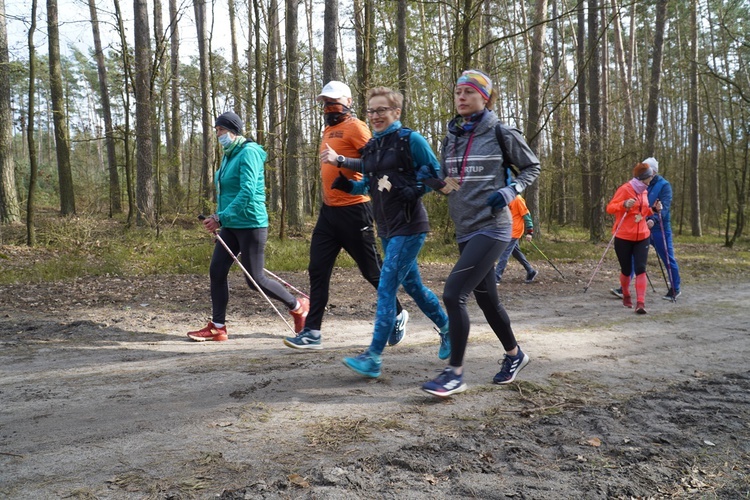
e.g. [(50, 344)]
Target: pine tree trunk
[(695, 206), (652, 115), (129, 181), (33, 166), (275, 179), (583, 115), (206, 109), (533, 129), (259, 89), (236, 90), (10, 210), (115, 205), (403, 57), (174, 176), (144, 190), (62, 143), (293, 166), (330, 32), (596, 232)]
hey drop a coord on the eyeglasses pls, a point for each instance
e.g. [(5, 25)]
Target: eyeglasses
[(378, 111)]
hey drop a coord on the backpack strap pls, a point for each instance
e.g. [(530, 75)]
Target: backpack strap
[(509, 167)]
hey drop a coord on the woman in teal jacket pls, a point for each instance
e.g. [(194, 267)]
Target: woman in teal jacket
[(242, 222)]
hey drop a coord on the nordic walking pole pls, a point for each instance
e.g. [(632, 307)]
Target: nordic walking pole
[(278, 278), (285, 283), (255, 284), (650, 283), (666, 256), (586, 288), (547, 258), (658, 259)]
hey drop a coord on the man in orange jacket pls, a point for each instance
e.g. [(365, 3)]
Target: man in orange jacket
[(345, 220)]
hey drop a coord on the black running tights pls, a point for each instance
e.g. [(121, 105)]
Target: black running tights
[(252, 244), (475, 272)]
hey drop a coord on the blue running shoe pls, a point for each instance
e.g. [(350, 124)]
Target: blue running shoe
[(304, 340), (445, 343), (445, 384), (365, 364), (511, 365), (531, 275), (399, 330)]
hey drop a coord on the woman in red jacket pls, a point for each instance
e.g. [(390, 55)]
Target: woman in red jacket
[(630, 207)]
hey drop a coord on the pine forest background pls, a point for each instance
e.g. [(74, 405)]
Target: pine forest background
[(125, 127)]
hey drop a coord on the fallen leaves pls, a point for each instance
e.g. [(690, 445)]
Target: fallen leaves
[(298, 480)]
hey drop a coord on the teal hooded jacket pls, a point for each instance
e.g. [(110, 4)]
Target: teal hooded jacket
[(240, 187)]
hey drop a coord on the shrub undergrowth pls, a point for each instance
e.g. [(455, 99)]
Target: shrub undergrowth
[(73, 247)]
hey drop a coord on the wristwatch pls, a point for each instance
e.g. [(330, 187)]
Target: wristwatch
[(340, 159)]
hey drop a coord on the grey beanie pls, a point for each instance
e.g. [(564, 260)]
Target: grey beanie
[(230, 121)]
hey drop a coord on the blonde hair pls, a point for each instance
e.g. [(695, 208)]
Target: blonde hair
[(395, 98), (492, 100)]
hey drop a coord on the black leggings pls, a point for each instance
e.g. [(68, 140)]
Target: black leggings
[(475, 271), (632, 253), (349, 228), (252, 244)]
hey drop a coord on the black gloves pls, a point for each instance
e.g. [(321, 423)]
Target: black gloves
[(496, 201), (409, 193), (342, 183)]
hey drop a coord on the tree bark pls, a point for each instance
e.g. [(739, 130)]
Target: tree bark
[(293, 166), (629, 122), (403, 57), (596, 231), (236, 89), (144, 187), (259, 90), (583, 114), (330, 32), (127, 77), (174, 176), (533, 128), (275, 176), (695, 206), (33, 166), (206, 109), (560, 187), (115, 204), (10, 210), (652, 115), (62, 143)]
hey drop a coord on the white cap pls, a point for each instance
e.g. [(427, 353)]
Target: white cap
[(335, 90), (651, 162)]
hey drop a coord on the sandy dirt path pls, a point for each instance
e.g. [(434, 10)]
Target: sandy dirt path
[(103, 397)]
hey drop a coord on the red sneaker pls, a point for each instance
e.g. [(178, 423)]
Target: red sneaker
[(300, 314), (640, 308), (209, 332), (627, 301)]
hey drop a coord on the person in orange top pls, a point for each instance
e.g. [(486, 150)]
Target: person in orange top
[(522, 223), (345, 220), (630, 207)]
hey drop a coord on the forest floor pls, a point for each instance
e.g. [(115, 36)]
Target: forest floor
[(103, 396)]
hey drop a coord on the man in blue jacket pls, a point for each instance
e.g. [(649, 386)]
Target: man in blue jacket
[(661, 230)]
